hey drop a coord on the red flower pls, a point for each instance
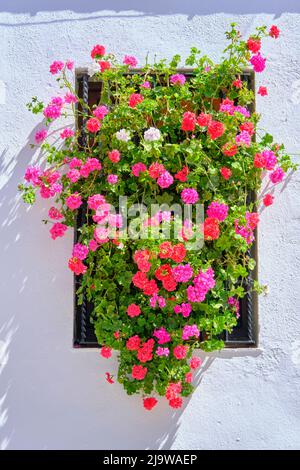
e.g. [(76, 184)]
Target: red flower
[(97, 51), (247, 126), (109, 378), (135, 99), (173, 389), (145, 352), (237, 83), (140, 280), (93, 125), (133, 343), (104, 65), (188, 377), (268, 200), (105, 352), (211, 228), (195, 362), (163, 271), (117, 334), (176, 402), (133, 310), (274, 32), (252, 220), (77, 266), (182, 174), (165, 250), (215, 129), (262, 91), (229, 149), (149, 403), (156, 169), (259, 160), (169, 283), (178, 253), (225, 172), (204, 119), (188, 121), (139, 372), (180, 351), (150, 288), (253, 45)]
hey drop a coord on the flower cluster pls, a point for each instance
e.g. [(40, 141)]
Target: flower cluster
[(174, 141)]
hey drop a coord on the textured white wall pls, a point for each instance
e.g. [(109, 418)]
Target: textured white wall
[(52, 396)]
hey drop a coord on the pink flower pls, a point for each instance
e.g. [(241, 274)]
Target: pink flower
[(146, 85), (92, 164), (277, 175), (95, 201), (55, 214), (195, 362), (80, 251), (182, 273), (162, 351), (162, 336), (138, 168), (190, 331), (93, 245), (93, 125), (73, 175), (70, 98), (177, 79), (57, 101), (100, 112), (52, 111), (74, 201), (32, 175), (56, 67), (101, 235), (105, 352), (203, 282), (75, 163), (269, 159), (165, 180), (233, 302), (189, 196), (58, 230), (70, 64), (114, 156), (139, 372), (180, 351), (258, 62), (262, 91), (243, 138), (185, 309), (217, 210), (133, 310), (67, 133), (130, 60), (40, 136), (112, 179)]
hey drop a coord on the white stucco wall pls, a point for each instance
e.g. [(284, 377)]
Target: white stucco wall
[(52, 396)]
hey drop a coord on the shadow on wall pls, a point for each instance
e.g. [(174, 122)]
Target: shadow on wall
[(154, 7)]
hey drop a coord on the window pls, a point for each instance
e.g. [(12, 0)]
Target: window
[(243, 335)]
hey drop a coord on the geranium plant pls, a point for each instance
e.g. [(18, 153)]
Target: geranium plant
[(161, 283)]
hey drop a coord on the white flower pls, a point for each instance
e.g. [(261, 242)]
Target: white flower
[(152, 134), (123, 135)]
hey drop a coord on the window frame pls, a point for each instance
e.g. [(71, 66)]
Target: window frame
[(245, 334)]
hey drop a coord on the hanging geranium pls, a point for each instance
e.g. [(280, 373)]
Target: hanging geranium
[(157, 136)]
